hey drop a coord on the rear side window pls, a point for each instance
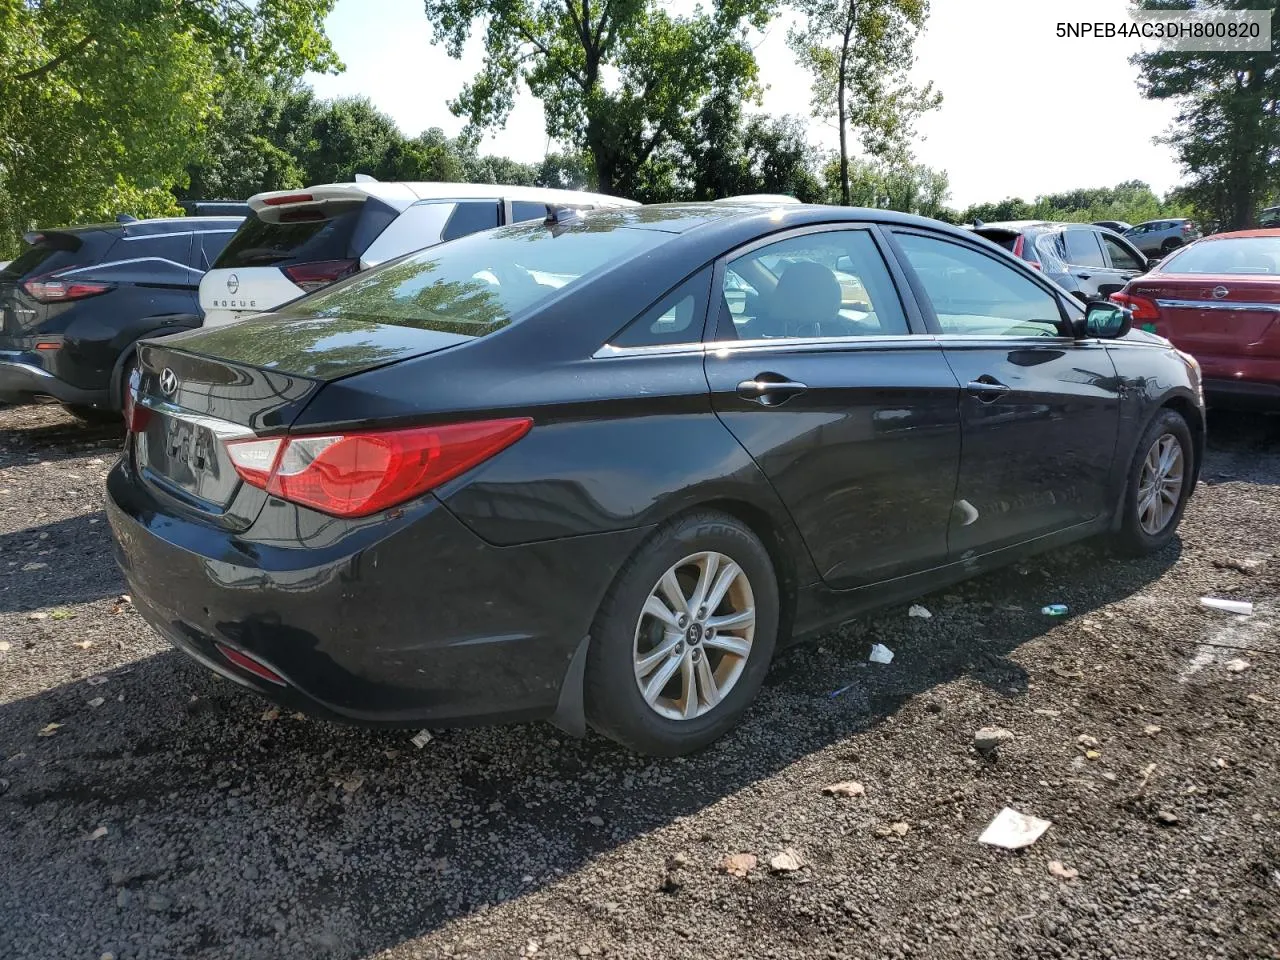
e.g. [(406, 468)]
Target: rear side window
[(479, 283), (1083, 248), (676, 318), (522, 210), (471, 216), (162, 246), (261, 244), (211, 247)]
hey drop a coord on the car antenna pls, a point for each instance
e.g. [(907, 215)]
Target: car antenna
[(560, 215), (978, 224), (365, 178)]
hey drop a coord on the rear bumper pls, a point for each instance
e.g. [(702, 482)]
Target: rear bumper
[(406, 620), (1240, 392), (24, 380)]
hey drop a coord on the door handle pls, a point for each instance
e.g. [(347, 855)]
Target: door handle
[(1084, 276), (986, 389), (770, 389)]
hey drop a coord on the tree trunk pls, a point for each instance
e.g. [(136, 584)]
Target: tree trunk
[(842, 83)]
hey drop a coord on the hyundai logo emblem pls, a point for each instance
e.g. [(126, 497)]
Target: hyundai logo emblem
[(168, 382), (1220, 292), (233, 283)]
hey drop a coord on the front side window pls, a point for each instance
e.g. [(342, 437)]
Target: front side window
[(830, 284), (976, 295)]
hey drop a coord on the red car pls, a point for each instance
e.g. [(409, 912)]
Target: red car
[(1218, 299)]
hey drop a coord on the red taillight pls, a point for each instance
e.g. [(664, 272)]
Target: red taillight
[(321, 273), (60, 291), (1020, 250), (357, 474), (1140, 307), (288, 198), (136, 416), (251, 665)]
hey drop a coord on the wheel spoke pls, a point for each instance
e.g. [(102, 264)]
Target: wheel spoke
[(649, 662), (738, 646), (660, 679), (707, 681), (723, 582), (707, 566), (655, 608), (672, 590), (688, 686), (733, 621)]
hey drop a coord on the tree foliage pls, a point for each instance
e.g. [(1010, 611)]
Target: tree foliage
[(1227, 131), (1131, 202), (859, 53), (618, 79), (104, 102)]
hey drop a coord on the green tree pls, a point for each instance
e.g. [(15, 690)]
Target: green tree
[(860, 53), (103, 102), (1227, 132), (347, 136), (892, 185), (659, 67)]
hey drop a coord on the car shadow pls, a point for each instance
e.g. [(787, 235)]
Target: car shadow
[(58, 564), (52, 436), (1238, 441), (234, 829)]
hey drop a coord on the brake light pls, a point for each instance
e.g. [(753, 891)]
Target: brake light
[(288, 198), (1140, 307), (321, 273), (357, 474), (136, 416), (60, 291)]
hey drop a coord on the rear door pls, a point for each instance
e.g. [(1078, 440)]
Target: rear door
[(849, 411), (1040, 410)]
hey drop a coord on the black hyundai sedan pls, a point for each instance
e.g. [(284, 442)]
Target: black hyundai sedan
[(598, 469)]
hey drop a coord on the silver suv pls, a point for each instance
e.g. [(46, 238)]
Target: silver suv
[(1156, 238)]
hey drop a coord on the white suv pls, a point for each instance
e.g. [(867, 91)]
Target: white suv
[(297, 241)]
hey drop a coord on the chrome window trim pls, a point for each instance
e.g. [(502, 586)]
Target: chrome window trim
[(222, 429), (608, 351), (1232, 307)]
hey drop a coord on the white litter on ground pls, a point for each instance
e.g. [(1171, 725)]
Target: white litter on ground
[(919, 611), (880, 654), (1242, 607), (421, 738), (1013, 830)]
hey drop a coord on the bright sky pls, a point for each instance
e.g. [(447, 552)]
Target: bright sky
[(1024, 112)]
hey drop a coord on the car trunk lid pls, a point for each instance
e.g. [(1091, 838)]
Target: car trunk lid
[(197, 391), (1214, 315)]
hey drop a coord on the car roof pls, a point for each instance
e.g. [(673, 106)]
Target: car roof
[(1242, 234), (149, 228), (402, 194)]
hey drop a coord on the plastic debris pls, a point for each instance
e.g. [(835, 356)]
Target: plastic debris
[(98, 834), (1242, 607), (788, 861), (421, 738), (1013, 830), (919, 611), (880, 654), (843, 690), (1055, 610), (1059, 869), (49, 729), (1238, 665)]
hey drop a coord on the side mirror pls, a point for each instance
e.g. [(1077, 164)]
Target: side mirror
[(1106, 321)]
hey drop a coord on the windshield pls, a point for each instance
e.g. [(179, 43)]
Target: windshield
[(480, 283), (1240, 255)]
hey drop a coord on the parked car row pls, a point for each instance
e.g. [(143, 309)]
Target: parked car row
[(76, 302)]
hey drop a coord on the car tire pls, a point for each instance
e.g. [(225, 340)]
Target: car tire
[(1169, 246), (724, 666), (1143, 530)]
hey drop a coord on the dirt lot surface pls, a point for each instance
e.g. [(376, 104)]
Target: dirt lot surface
[(148, 809)]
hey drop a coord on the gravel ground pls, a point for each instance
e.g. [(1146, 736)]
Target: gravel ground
[(148, 809)]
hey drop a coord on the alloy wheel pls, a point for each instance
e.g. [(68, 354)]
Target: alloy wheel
[(1160, 484), (694, 635)]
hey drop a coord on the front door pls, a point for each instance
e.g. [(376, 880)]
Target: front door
[(1125, 260), (1040, 410), (851, 414)]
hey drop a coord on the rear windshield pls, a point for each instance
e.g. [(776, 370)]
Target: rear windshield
[(480, 283), (42, 258), (1240, 255), (1001, 237), (261, 244)]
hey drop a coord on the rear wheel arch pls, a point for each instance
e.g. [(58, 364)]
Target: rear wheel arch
[(130, 351)]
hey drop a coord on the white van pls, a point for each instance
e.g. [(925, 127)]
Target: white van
[(297, 241)]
